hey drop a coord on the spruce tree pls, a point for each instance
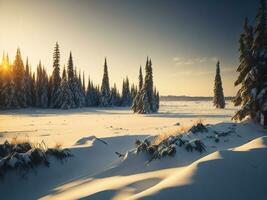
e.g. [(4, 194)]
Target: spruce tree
[(145, 101), (55, 79), (3, 70), (244, 96), (33, 89), (73, 82), (140, 78), (8, 90), (84, 90), (19, 80), (114, 96), (28, 84), (65, 94), (41, 87), (126, 95), (259, 73), (105, 89), (157, 100), (134, 91), (252, 95), (89, 101), (218, 100), (77, 92)]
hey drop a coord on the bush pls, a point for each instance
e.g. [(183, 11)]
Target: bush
[(198, 128), (168, 146), (26, 156)]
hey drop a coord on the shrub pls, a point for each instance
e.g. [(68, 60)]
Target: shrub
[(24, 155)]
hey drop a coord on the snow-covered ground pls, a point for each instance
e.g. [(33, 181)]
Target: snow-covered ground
[(67, 126), (233, 168)]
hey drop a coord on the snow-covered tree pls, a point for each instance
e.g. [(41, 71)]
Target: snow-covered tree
[(65, 94), (84, 90), (7, 93), (28, 84), (252, 95), (259, 71), (41, 87), (140, 78), (218, 99), (19, 80), (244, 97), (126, 99), (33, 89), (134, 91), (115, 99), (55, 79), (92, 94), (105, 89), (74, 84), (89, 97), (145, 101), (156, 99)]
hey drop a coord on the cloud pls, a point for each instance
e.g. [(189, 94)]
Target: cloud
[(198, 60), (214, 59), (176, 59), (181, 61)]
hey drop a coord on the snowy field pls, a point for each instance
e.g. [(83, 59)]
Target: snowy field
[(67, 126), (233, 168)]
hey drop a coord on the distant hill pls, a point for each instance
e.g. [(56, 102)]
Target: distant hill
[(189, 98)]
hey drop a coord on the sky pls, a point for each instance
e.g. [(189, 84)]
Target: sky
[(183, 38)]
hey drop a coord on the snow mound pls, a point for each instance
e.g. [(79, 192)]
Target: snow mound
[(229, 174)]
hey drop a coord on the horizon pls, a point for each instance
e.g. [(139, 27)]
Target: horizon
[(126, 33)]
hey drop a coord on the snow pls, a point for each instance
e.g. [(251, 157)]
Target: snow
[(233, 168)]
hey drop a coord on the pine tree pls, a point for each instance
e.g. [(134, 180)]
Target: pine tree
[(105, 89), (4, 65), (73, 82), (77, 92), (126, 95), (133, 92), (33, 90), (2, 68), (259, 71), (244, 96), (65, 94), (41, 87), (8, 91), (84, 90), (140, 78), (28, 84), (218, 100), (252, 95), (55, 79), (114, 96), (145, 101), (81, 91), (19, 80), (89, 102), (148, 88), (157, 100)]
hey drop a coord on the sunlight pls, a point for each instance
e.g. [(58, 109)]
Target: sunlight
[(5, 66)]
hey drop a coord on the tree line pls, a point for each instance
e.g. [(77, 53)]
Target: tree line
[(65, 88)]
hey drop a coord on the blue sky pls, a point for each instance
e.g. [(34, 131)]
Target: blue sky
[(184, 38)]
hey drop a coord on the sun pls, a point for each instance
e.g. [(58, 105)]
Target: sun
[(5, 66)]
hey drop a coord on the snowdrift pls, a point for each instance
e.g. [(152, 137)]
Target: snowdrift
[(232, 168)]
